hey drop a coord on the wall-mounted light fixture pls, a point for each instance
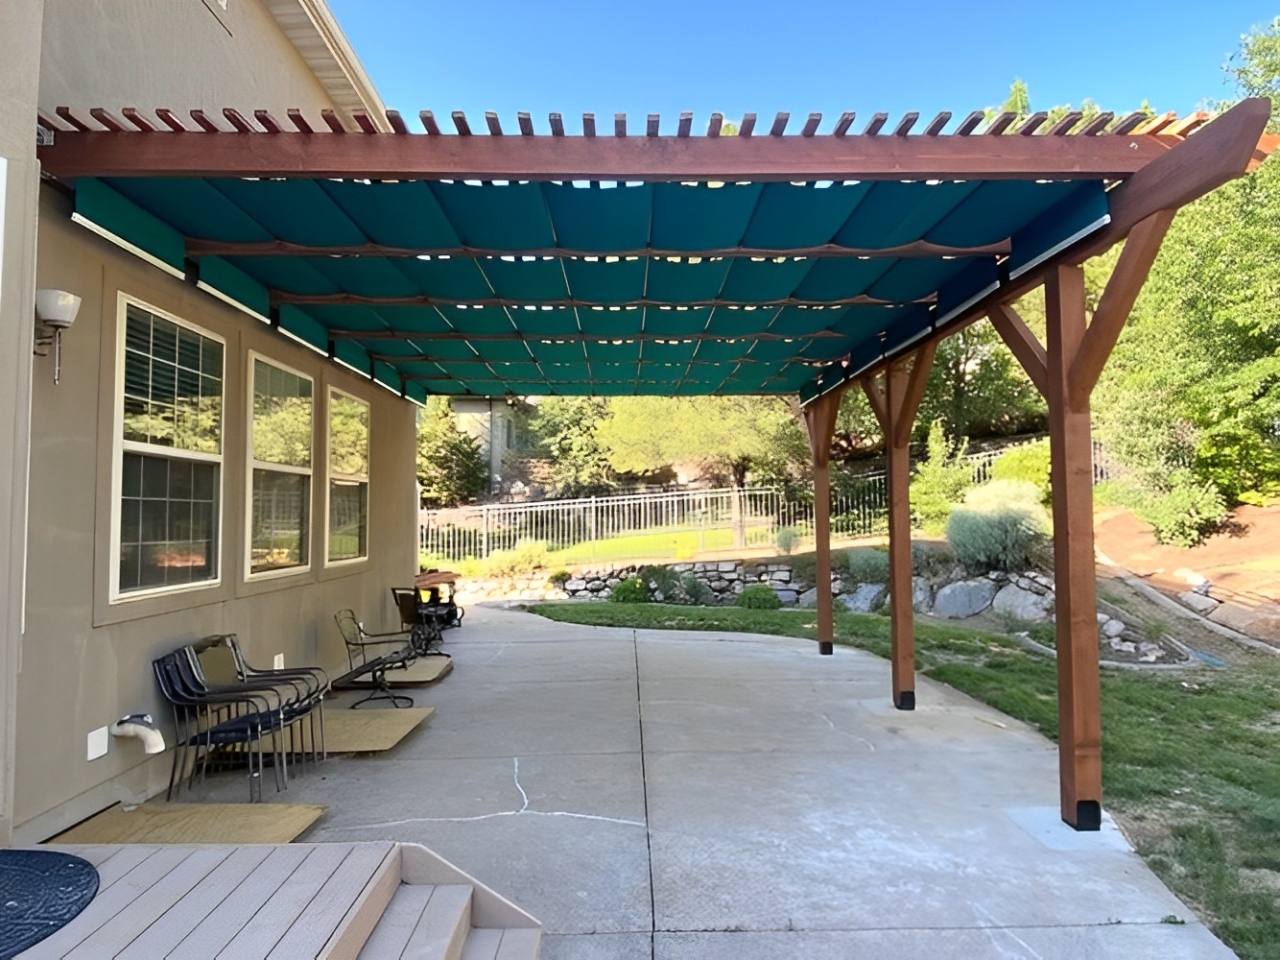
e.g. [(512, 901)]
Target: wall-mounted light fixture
[(56, 310)]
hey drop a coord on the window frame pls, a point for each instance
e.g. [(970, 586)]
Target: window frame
[(331, 475), (120, 446), (251, 464)]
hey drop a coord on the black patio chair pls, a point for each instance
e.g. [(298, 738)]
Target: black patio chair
[(219, 662), (373, 665), (212, 721)]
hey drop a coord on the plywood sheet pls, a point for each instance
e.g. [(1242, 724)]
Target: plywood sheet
[(161, 822), (370, 729)]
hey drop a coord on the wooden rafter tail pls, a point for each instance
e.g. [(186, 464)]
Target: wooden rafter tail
[(619, 124), (493, 123), (460, 123), (937, 124), (1065, 125), (267, 121), (1154, 125), (1097, 125), (525, 121), (1032, 124), (65, 113), (396, 122), (1000, 124), (429, 124), (1268, 144), (203, 122), (875, 125), (843, 124), (331, 120), (107, 119), (136, 117), (685, 126), (811, 125), (748, 125), (715, 124), (49, 123), (779, 124), (651, 125), (364, 122), (970, 123), (1192, 121), (906, 123), (588, 124), (300, 123), (556, 121), (237, 120)]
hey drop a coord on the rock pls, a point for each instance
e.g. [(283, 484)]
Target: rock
[(719, 586), (788, 596), (728, 566), (1189, 577), (1202, 588), (997, 576), (1102, 618), (921, 594), (1113, 628), (1123, 646), (866, 598), (780, 576), (1198, 602), (963, 599), (1022, 604), (595, 586), (681, 567), (809, 598), (573, 586)]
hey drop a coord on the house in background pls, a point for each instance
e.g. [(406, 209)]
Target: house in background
[(500, 427), (195, 469)]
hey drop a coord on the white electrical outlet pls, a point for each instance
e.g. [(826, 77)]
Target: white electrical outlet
[(278, 662), (98, 742)]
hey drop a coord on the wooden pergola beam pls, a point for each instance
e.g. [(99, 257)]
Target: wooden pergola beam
[(425, 157), (282, 297), (1022, 343), (575, 337)]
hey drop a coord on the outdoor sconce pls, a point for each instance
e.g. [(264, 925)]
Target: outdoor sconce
[(56, 310)]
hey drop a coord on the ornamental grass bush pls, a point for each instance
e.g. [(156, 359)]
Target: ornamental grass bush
[(1001, 526), (867, 565), (525, 557), (631, 590), (759, 596)]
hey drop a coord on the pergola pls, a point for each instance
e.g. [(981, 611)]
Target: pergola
[(624, 263)]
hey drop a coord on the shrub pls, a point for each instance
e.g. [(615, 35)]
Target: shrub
[(560, 578), (759, 596), (939, 482), (660, 580), (695, 591), (1186, 513), (631, 590), (526, 557), (929, 559), (995, 532), (803, 570), (1028, 463), (787, 538), (867, 565)]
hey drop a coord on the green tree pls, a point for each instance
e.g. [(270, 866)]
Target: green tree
[(451, 465), (565, 429), (1256, 67), (735, 436)]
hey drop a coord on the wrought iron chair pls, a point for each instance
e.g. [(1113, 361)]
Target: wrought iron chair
[(363, 663)]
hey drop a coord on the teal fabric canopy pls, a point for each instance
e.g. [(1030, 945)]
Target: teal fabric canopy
[(494, 288)]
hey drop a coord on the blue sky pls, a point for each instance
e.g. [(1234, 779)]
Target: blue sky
[(666, 56)]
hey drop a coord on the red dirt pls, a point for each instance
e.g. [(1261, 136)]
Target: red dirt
[(1242, 564)]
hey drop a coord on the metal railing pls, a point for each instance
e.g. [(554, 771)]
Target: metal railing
[(681, 524)]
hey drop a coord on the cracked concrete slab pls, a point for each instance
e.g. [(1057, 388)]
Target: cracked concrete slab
[(676, 795)]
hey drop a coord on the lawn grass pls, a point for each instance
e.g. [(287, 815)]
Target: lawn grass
[(1191, 758)]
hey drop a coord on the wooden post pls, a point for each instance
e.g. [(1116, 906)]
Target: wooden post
[(895, 403), (1066, 370), (820, 420)]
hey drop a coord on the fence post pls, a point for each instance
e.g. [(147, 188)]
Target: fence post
[(484, 532)]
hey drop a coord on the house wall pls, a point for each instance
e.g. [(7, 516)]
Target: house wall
[(485, 420), (20, 24), (180, 54), (87, 661)]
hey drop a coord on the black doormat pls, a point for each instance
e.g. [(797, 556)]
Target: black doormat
[(40, 892)]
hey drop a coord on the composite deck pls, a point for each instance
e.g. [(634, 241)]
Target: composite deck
[(338, 901)]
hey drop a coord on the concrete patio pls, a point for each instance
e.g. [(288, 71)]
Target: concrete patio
[(790, 810)]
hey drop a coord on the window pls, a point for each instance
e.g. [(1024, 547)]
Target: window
[(280, 467), (170, 456), (348, 477)]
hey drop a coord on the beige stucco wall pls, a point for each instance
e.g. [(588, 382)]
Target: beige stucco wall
[(87, 662), (20, 22), (180, 54)]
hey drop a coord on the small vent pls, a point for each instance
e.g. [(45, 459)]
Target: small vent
[(44, 136)]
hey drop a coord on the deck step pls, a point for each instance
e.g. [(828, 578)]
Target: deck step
[(422, 922)]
